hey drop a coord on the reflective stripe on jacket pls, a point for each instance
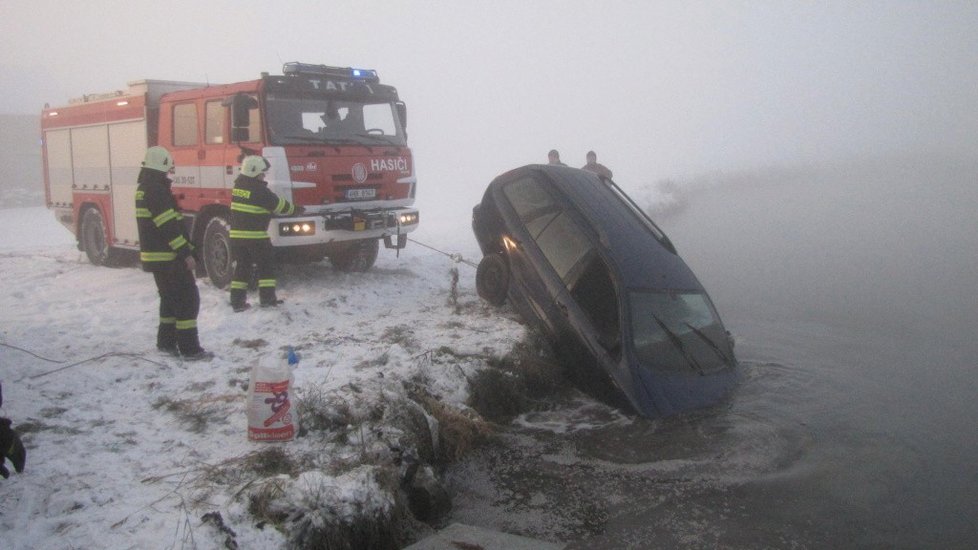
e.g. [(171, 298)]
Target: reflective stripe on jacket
[(252, 207), (162, 234)]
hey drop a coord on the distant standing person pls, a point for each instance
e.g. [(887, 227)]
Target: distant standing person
[(165, 251), (593, 166), (252, 207), (553, 157)]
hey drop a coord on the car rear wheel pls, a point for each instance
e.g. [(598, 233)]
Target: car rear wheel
[(492, 279)]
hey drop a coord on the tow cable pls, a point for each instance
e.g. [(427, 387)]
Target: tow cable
[(457, 258), (90, 359)]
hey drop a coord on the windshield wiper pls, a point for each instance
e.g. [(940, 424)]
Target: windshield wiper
[(388, 140), (711, 343), (679, 344), (314, 139)]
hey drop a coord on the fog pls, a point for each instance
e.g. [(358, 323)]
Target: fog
[(659, 90)]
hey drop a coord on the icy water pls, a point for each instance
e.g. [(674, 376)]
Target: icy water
[(852, 296)]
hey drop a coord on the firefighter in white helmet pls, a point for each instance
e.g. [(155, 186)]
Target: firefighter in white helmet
[(252, 207), (165, 250)]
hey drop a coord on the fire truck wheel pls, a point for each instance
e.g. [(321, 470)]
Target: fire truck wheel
[(358, 257), (94, 238), (217, 252), (492, 279)]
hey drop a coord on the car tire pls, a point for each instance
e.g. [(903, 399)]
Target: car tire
[(492, 279), (218, 260)]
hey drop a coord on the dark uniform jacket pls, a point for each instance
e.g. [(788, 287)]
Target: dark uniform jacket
[(252, 206), (162, 234), (598, 169)]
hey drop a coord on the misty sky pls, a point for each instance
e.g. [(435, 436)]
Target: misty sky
[(658, 89)]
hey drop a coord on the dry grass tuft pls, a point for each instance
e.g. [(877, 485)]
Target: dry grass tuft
[(459, 431)]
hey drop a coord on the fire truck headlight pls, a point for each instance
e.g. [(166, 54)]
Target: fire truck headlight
[(296, 229), (409, 219)]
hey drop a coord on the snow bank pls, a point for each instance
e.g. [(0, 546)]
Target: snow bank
[(130, 448)]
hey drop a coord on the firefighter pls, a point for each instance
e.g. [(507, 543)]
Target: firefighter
[(252, 207), (165, 250)]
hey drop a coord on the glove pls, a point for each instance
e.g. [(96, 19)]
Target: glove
[(12, 449)]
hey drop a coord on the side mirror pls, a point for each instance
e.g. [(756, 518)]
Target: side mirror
[(241, 106), (402, 113)]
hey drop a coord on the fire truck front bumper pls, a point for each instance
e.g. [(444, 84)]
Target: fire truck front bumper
[(392, 225)]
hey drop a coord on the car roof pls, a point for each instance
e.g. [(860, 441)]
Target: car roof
[(642, 260)]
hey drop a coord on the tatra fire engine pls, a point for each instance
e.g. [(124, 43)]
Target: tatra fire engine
[(335, 138)]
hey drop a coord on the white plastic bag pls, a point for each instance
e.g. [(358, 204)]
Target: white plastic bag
[(271, 412)]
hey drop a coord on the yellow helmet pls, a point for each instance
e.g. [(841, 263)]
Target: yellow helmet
[(254, 165), (158, 158)]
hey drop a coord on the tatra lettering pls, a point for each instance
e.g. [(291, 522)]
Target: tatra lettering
[(336, 86)]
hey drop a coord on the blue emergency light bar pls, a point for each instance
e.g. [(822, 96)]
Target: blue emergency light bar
[(296, 68)]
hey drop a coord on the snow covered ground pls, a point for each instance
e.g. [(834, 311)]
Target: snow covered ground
[(128, 448)]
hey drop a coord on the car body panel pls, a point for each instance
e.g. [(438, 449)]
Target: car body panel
[(595, 274)]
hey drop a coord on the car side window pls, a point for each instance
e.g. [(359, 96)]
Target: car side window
[(556, 234), (535, 207), (564, 244), (594, 291)]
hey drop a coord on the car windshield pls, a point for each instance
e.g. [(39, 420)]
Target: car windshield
[(296, 119), (678, 331)]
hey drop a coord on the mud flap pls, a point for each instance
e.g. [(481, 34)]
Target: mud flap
[(401, 242)]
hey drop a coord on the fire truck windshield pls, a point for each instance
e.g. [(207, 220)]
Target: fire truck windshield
[(294, 120)]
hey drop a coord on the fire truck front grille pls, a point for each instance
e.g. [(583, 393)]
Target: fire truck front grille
[(349, 177)]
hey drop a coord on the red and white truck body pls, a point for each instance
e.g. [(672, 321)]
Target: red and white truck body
[(335, 138)]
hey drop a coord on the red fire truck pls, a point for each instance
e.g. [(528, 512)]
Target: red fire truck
[(335, 138)]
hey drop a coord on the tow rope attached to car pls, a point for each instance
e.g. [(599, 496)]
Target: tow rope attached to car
[(456, 257)]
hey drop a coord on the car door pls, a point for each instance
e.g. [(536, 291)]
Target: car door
[(530, 209), (567, 248)]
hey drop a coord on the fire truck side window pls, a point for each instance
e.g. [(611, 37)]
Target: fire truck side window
[(185, 124), (214, 123), (254, 125)]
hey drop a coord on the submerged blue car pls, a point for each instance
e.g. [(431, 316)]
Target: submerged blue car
[(578, 259)]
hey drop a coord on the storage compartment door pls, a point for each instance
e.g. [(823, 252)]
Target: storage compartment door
[(127, 147)]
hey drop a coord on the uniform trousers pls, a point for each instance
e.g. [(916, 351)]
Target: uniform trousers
[(179, 306), (257, 255)]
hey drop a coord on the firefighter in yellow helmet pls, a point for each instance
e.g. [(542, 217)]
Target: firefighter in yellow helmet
[(165, 250), (252, 207)]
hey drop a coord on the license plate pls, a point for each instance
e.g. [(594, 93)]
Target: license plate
[(360, 194)]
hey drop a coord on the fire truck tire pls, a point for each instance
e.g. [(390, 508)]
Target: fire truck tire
[(94, 238), (358, 257), (217, 252), (492, 279)]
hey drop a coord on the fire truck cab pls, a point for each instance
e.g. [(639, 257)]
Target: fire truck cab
[(335, 138)]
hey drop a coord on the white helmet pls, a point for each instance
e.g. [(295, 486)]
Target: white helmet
[(159, 159), (254, 165)]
